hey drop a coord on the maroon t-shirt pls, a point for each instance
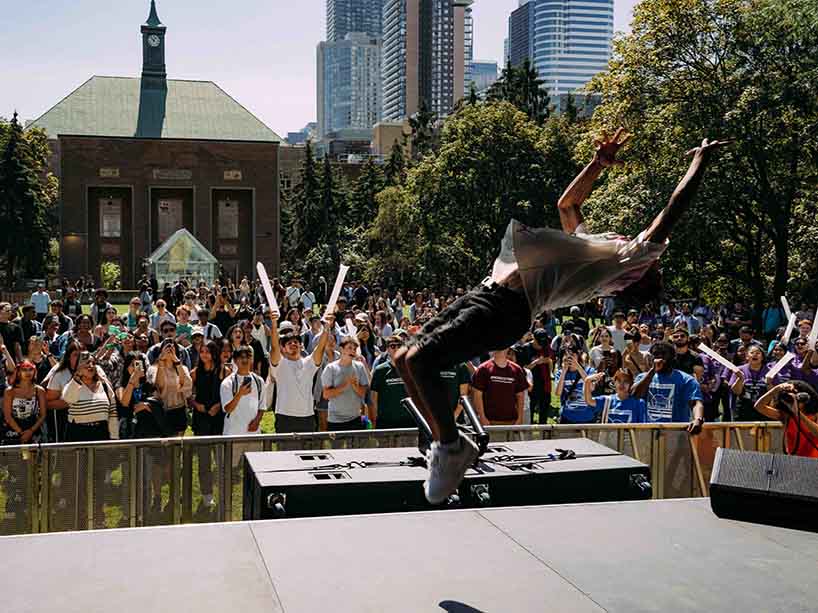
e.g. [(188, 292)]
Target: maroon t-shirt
[(500, 387)]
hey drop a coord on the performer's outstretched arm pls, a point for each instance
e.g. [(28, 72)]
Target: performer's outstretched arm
[(570, 202), (659, 230)]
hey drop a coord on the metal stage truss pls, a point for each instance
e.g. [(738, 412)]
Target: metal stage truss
[(116, 484)]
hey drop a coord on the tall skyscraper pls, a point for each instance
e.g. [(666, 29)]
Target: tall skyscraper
[(349, 83), (427, 54), (568, 41), (345, 16)]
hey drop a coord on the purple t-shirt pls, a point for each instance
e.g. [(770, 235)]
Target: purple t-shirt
[(755, 385)]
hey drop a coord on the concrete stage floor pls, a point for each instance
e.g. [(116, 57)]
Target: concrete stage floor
[(671, 555)]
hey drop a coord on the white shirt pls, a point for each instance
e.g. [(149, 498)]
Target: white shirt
[(40, 300), (247, 408), (618, 338), (308, 299), (294, 381)]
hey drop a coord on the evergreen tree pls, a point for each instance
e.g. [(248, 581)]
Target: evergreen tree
[(473, 99), (306, 208), (424, 131), (363, 205), (522, 87), (25, 200), (332, 211), (395, 166)]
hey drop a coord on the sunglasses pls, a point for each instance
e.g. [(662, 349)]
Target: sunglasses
[(395, 345)]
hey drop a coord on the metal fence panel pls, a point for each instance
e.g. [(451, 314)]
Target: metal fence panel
[(199, 479), (18, 486)]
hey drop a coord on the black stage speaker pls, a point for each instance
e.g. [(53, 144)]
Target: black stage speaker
[(358, 481), (765, 488)]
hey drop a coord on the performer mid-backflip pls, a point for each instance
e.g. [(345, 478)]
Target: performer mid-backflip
[(537, 269)]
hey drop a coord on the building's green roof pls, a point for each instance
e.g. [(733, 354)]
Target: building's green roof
[(119, 106)]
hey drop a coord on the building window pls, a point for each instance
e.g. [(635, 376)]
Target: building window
[(228, 219), (110, 217), (170, 217)]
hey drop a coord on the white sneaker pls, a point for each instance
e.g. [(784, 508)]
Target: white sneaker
[(447, 465)]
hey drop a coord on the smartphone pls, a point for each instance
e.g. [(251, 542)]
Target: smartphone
[(246, 381)]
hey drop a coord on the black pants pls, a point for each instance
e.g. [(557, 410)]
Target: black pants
[(486, 319), (81, 433), (346, 426), (286, 424)]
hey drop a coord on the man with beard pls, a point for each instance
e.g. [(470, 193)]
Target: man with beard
[(686, 360), (670, 393)]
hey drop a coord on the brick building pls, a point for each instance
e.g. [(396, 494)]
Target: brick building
[(140, 158)]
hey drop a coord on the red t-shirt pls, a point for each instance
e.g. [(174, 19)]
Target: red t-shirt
[(500, 387), (807, 444)]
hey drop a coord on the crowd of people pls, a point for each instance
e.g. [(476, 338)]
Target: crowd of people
[(215, 359)]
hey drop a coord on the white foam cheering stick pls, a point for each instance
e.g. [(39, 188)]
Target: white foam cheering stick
[(268, 289), (813, 335), (718, 357), (336, 290), (780, 364), (790, 327), (786, 305)]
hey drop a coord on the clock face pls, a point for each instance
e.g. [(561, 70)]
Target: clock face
[(153, 40)]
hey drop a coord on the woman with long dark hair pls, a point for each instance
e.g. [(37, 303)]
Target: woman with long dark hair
[(55, 381), (208, 417), (83, 333), (24, 407), (38, 354), (133, 392)]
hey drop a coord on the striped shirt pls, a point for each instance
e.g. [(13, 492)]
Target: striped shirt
[(87, 406)]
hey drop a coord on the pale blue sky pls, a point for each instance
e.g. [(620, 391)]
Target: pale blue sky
[(262, 53)]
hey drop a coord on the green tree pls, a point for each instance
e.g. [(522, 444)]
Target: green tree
[(493, 164), (522, 87), (423, 125), (306, 216), (363, 205), (27, 196), (740, 69), (395, 167), (333, 210)]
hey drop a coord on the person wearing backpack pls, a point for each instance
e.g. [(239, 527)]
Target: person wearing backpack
[(242, 395)]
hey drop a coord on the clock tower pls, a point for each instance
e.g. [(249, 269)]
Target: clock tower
[(153, 51)]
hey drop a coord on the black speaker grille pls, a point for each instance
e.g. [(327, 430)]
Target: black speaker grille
[(742, 470), (795, 476)]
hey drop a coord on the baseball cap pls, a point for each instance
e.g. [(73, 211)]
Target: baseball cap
[(575, 310), (196, 331)]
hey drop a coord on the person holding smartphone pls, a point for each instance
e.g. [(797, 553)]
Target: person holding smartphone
[(173, 386), (91, 404), (242, 395)]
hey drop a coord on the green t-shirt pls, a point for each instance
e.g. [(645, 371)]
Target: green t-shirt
[(388, 384), (453, 379)]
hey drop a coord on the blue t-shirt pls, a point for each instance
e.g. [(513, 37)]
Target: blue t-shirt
[(629, 411), (572, 401), (669, 396)]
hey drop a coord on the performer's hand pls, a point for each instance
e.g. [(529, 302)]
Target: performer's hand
[(708, 146), (607, 147)]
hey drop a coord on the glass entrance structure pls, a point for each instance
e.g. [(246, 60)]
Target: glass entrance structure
[(182, 256)]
